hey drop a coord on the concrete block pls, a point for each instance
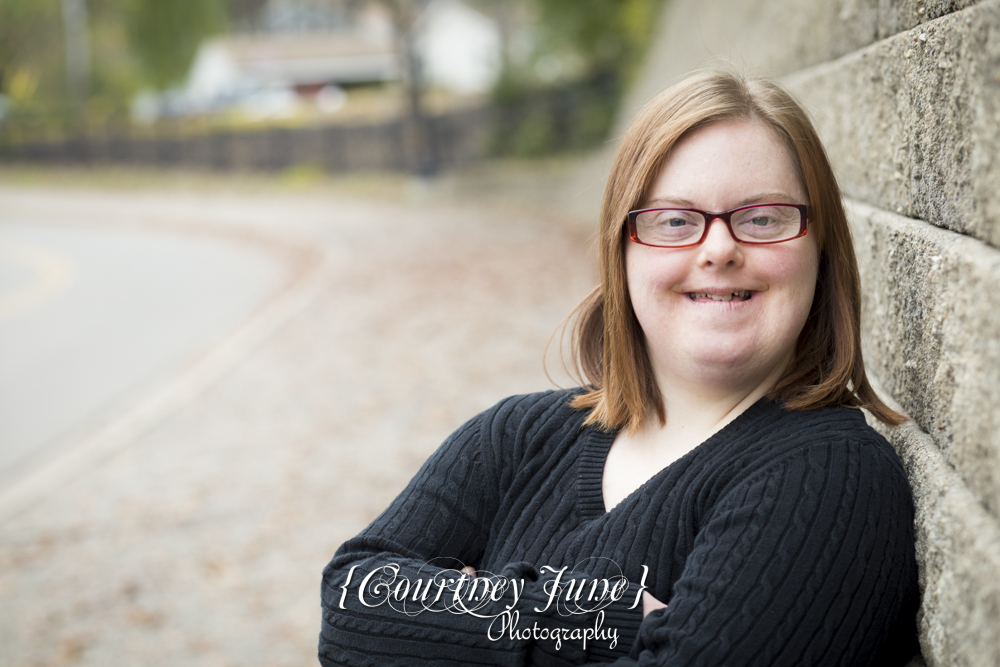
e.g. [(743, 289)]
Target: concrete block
[(774, 37), (931, 331), (906, 94), (912, 123), (898, 15), (958, 552)]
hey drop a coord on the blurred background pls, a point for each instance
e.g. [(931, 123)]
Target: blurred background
[(258, 258), (340, 85)]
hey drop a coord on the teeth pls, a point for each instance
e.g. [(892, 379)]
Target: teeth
[(741, 295)]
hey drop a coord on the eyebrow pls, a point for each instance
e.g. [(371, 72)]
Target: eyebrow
[(774, 197)]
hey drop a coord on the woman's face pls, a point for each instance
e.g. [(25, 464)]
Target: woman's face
[(691, 336)]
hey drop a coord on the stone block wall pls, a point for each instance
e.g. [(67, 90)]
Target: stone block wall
[(906, 95)]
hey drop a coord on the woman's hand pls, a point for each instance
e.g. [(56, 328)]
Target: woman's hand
[(471, 571), (650, 604)]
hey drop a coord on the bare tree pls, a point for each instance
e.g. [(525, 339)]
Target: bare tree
[(74, 16), (405, 14)]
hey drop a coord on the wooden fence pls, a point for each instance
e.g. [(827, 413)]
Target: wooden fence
[(447, 140)]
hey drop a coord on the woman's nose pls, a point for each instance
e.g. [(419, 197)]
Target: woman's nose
[(719, 247)]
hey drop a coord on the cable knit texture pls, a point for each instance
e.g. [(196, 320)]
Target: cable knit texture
[(784, 539)]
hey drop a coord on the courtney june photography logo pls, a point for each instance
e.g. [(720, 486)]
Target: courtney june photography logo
[(413, 590)]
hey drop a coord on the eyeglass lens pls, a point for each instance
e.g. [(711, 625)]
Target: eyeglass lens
[(764, 224)]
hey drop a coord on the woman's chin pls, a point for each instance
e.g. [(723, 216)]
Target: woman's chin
[(722, 366)]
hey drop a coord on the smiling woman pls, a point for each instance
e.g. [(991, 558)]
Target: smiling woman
[(714, 466), (683, 298)]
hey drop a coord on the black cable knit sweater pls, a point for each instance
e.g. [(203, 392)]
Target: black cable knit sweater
[(784, 539)]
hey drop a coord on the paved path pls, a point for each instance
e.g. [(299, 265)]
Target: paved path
[(194, 531), (88, 315)]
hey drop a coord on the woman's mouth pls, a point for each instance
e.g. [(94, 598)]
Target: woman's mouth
[(739, 295)]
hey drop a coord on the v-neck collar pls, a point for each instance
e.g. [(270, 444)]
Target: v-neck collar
[(597, 443)]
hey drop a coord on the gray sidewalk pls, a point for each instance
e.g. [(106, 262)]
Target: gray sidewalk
[(193, 530)]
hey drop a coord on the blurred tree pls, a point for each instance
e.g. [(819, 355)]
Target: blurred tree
[(605, 36), (31, 54), (165, 34), (116, 74), (405, 14), (561, 92), (76, 44)]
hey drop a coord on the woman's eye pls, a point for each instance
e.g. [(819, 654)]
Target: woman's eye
[(673, 220), (762, 221), (667, 227)]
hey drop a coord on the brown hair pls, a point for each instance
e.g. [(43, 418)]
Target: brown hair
[(609, 345)]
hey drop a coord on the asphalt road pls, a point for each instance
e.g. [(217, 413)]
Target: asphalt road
[(199, 538), (90, 316)]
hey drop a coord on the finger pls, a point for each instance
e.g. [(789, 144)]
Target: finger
[(650, 604)]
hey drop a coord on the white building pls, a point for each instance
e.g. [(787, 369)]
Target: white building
[(308, 61), (270, 72)]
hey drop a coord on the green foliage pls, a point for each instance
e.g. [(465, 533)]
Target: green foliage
[(31, 55), (608, 35), (134, 44), (535, 121), (165, 34), (563, 96), (22, 23)]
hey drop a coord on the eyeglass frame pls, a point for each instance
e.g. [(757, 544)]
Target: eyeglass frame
[(710, 217)]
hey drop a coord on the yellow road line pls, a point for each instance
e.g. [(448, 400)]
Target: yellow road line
[(51, 274)]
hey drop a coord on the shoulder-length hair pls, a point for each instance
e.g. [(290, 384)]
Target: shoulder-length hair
[(609, 346)]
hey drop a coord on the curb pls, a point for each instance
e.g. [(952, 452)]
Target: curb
[(91, 450)]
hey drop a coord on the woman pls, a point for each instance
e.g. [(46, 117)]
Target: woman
[(712, 496)]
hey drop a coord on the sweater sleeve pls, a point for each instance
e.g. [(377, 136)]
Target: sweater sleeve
[(373, 612), (807, 562), (431, 530)]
